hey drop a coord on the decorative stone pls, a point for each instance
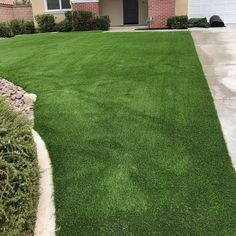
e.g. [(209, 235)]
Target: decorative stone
[(18, 98), (29, 98), (19, 95)]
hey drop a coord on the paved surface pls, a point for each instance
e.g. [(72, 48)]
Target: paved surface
[(45, 222), (216, 48), (139, 29)]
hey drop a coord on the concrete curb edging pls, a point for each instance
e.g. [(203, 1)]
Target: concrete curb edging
[(45, 222), (216, 49)]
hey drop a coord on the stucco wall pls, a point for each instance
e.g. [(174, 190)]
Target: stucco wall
[(143, 11), (39, 8), (114, 9), (181, 7)]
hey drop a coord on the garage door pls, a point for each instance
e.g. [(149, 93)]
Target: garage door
[(226, 9)]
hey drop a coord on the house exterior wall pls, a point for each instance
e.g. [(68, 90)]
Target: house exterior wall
[(160, 10), (10, 12), (143, 11), (92, 6), (181, 7), (23, 12), (40, 8), (6, 13), (114, 9)]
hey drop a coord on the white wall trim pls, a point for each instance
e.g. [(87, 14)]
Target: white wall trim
[(46, 10)]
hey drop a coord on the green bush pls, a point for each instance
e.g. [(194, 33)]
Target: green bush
[(5, 30), (64, 26), (46, 22), (101, 23), (22, 27), (17, 26), (177, 22), (19, 174), (69, 16), (82, 20), (29, 27), (198, 22)]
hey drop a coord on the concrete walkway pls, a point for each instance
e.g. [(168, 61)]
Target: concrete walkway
[(139, 29), (216, 48)]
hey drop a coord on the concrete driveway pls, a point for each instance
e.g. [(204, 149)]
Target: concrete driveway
[(216, 48)]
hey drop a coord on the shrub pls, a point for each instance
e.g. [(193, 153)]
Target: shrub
[(19, 175), (17, 26), (82, 20), (5, 30), (198, 22), (64, 26), (29, 27), (69, 16), (101, 23), (177, 22), (46, 22), (22, 27)]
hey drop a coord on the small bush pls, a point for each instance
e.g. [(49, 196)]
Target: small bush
[(101, 23), (29, 27), (69, 16), (17, 26), (177, 22), (22, 27), (82, 20), (198, 22), (19, 174), (64, 26), (5, 30), (46, 22)]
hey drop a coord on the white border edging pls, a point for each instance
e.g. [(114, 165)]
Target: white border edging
[(45, 222)]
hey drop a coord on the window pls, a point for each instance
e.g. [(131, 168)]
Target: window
[(58, 4)]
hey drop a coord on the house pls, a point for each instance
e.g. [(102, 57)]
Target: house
[(9, 10), (125, 12)]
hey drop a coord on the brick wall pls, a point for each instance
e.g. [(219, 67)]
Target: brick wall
[(10, 12), (160, 10), (6, 13), (87, 6), (23, 12)]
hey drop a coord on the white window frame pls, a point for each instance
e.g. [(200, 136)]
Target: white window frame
[(56, 10)]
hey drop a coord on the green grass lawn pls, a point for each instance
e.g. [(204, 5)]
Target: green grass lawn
[(132, 132)]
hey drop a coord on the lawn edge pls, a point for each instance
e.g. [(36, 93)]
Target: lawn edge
[(45, 222)]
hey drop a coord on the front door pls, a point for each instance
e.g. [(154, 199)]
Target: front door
[(130, 8)]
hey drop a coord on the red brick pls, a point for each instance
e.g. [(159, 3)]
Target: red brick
[(10, 12), (160, 10), (87, 6)]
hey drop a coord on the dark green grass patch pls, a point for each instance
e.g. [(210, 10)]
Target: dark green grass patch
[(132, 132), (19, 175)]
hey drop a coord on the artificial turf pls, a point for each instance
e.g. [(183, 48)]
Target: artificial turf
[(132, 132)]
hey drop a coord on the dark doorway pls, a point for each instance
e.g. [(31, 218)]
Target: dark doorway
[(130, 9)]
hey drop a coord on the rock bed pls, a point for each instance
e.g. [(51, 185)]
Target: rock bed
[(20, 100)]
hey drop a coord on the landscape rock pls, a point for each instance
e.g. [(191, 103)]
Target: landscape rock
[(20, 100)]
